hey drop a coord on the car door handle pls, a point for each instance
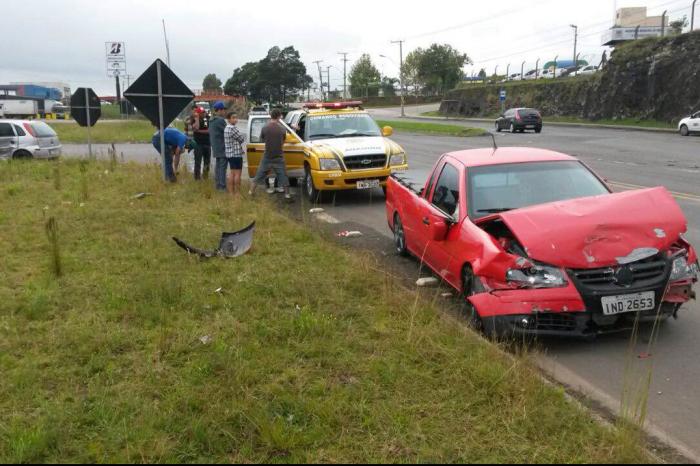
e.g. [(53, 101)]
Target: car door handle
[(426, 221)]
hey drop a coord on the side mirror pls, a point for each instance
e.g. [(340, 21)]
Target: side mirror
[(438, 229), (290, 139), (387, 131)]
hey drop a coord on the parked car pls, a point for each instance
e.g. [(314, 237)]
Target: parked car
[(586, 70), (519, 120), (514, 77), (530, 75), (538, 244), (548, 73), (689, 125), (28, 139), (567, 72)]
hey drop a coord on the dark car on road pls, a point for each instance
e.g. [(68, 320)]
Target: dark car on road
[(520, 119)]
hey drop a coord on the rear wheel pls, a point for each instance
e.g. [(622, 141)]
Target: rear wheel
[(469, 289), (685, 131), (399, 237), (538, 130)]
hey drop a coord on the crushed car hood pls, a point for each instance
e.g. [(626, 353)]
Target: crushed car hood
[(598, 231), (349, 147)]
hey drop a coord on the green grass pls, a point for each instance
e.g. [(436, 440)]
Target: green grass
[(107, 132), (432, 128), (313, 356)]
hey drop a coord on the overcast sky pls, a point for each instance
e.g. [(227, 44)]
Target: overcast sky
[(63, 40)]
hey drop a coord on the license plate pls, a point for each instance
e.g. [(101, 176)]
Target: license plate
[(530, 126), (613, 305), (369, 184)]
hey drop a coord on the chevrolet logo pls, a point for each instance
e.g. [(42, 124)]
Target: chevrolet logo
[(366, 161)]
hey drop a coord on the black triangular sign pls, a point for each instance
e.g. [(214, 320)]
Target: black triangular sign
[(143, 94)]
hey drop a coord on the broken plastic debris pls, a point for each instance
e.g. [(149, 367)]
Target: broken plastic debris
[(317, 210), (349, 234), (142, 195), (205, 340), (427, 281), (219, 291), (231, 245), (446, 295)]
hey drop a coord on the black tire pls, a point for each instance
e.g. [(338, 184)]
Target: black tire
[(312, 193), (22, 154), (384, 190), (399, 237), (512, 128), (498, 127), (538, 130), (685, 131), (467, 308)]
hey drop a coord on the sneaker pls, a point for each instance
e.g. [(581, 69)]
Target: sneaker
[(280, 190), (288, 196), (271, 191), (250, 193)]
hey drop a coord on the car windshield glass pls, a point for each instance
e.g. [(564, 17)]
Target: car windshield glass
[(500, 188), (342, 126), (43, 130)]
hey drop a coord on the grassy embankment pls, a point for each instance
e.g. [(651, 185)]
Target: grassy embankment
[(309, 355), (432, 128)]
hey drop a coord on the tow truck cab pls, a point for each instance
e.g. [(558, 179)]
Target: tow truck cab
[(333, 146)]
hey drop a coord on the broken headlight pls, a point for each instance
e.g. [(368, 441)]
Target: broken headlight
[(398, 159), (538, 276), (682, 271)]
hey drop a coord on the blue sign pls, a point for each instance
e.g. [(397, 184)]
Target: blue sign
[(503, 95)]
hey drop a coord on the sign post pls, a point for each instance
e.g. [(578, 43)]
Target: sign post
[(86, 110), (160, 96), (116, 65), (502, 98)]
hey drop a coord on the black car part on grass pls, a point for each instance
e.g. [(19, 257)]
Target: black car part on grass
[(231, 245)]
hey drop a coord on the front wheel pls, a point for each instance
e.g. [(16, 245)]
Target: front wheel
[(399, 237), (469, 289), (685, 131), (512, 128), (538, 130), (22, 154), (312, 193)]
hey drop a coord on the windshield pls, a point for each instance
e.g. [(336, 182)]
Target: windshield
[(42, 130), (341, 126), (500, 188)]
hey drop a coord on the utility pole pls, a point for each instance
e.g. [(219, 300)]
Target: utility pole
[(575, 42), (403, 91), (345, 74), (167, 44), (320, 76), (328, 74)]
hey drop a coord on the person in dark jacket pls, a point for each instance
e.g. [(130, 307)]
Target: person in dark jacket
[(198, 129), (217, 126)]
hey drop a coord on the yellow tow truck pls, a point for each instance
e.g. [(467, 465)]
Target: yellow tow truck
[(332, 146)]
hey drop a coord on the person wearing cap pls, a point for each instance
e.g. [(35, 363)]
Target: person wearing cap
[(175, 142), (197, 126), (217, 127)]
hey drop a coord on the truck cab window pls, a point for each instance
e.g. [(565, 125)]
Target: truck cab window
[(446, 196)]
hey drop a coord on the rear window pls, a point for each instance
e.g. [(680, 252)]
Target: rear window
[(42, 130), (256, 127), (525, 112)]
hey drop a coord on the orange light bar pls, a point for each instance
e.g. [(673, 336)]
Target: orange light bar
[(332, 105)]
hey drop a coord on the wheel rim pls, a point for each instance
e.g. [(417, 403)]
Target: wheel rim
[(399, 237), (512, 128), (309, 184), (684, 130)]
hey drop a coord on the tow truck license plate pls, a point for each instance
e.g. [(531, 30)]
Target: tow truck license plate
[(369, 184), (613, 305)]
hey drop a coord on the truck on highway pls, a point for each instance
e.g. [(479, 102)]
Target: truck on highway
[(538, 245), (18, 108), (333, 146)]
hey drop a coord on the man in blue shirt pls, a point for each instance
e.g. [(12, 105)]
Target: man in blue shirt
[(175, 142)]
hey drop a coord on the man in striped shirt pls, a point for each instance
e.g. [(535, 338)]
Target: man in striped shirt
[(233, 140)]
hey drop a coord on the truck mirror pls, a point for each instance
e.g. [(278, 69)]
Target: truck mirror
[(387, 131)]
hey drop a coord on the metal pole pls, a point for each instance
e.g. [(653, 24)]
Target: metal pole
[(89, 122), (320, 76), (522, 71), (508, 72), (692, 17), (575, 42), (345, 74), (167, 45), (403, 92), (537, 70), (160, 119), (556, 59), (663, 24), (495, 73), (636, 32), (119, 95)]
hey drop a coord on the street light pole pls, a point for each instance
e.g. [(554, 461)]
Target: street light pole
[(575, 42), (403, 92)]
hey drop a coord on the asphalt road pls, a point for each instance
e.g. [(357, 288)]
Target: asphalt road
[(604, 368)]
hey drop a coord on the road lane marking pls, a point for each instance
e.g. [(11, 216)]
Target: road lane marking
[(684, 196)]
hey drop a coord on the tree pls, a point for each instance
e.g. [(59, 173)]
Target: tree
[(678, 25), (411, 67), (211, 83), (440, 67), (388, 86), (482, 74), (364, 78), (244, 81)]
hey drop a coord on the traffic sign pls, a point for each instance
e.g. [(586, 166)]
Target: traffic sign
[(502, 95), (160, 96), (85, 107), (116, 51), (116, 68), (159, 86)]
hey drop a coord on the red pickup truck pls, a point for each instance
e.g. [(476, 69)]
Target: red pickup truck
[(538, 244)]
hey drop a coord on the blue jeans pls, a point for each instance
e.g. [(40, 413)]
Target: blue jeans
[(277, 166), (168, 162), (221, 167)]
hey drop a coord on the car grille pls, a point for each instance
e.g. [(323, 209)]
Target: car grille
[(365, 162), (555, 322)]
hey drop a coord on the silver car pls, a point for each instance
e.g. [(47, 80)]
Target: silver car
[(28, 139)]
